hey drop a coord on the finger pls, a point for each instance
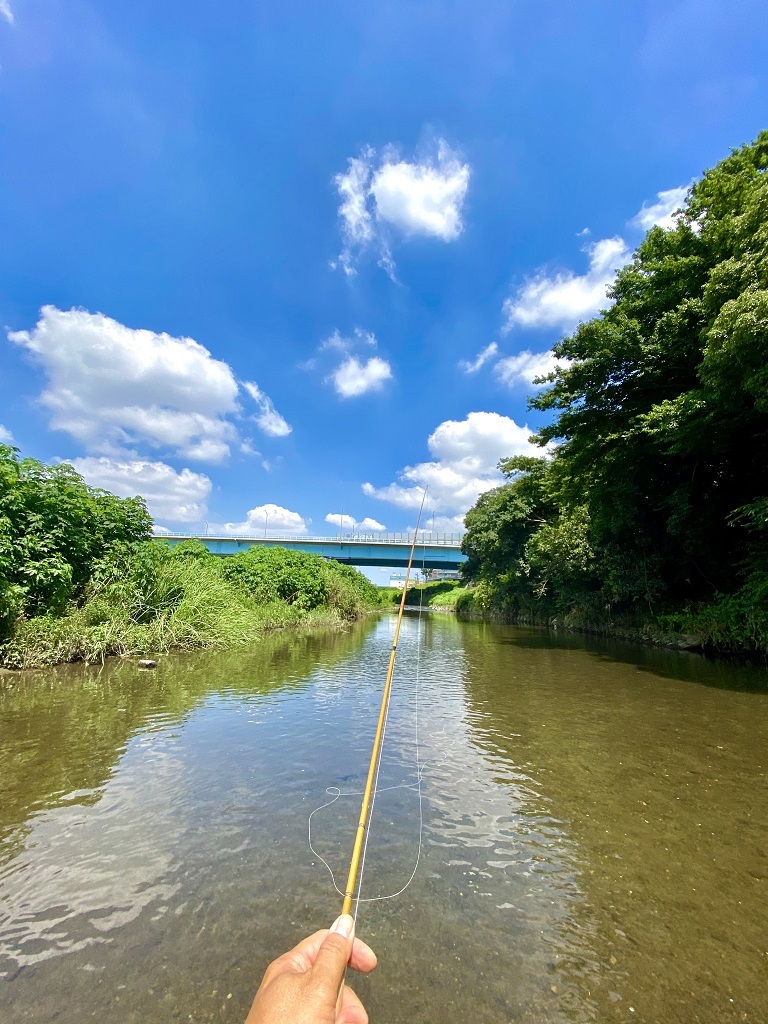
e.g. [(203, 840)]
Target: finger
[(302, 956), (352, 1010), (333, 956), (363, 958)]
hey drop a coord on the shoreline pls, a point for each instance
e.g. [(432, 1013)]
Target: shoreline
[(313, 621), (647, 635)]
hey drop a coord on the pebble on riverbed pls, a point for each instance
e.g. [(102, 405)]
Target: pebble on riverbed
[(147, 663)]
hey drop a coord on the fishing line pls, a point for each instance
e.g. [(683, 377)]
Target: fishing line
[(369, 794), (418, 766)]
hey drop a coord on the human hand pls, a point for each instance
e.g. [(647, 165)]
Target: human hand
[(302, 986)]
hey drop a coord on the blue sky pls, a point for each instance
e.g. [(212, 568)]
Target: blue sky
[(276, 261)]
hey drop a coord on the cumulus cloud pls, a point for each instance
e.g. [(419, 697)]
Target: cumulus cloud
[(355, 374), (422, 198), (6, 437), (274, 519), (525, 367), (566, 299), (466, 453), (353, 377), (112, 386), (482, 358), (176, 496), (661, 213), (345, 522), (384, 194), (5, 11), (436, 525), (267, 418), (369, 525)]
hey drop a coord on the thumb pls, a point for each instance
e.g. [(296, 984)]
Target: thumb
[(333, 955)]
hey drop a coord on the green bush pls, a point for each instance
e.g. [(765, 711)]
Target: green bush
[(277, 574), (149, 598), (54, 528)]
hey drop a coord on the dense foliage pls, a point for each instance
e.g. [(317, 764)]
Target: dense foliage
[(654, 500), (53, 531), (80, 578), (149, 597), (437, 594), (301, 579)]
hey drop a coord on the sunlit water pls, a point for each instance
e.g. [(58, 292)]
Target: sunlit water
[(593, 847)]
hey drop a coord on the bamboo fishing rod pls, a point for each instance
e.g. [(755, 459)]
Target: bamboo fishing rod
[(364, 823)]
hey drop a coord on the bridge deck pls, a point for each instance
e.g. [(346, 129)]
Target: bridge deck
[(433, 552)]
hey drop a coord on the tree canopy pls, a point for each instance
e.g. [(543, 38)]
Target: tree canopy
[(54, 528), (655, 494)]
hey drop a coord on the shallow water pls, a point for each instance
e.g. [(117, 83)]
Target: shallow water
[(593, 848)]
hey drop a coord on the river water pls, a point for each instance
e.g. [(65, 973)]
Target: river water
[(593, 840)]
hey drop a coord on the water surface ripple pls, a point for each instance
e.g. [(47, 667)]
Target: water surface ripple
[(593, 844)]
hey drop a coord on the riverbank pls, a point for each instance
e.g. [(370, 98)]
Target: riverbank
[(441, 595), (148, 599), (721, 628), (717, 629)]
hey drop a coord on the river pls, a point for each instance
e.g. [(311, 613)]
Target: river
[(593, 840)]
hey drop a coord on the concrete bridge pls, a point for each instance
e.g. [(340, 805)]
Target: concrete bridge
[(392, 549)]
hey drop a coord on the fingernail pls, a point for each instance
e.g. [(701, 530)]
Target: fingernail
[(344, 925)]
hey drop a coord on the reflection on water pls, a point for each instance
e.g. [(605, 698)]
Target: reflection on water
[(593, 829)]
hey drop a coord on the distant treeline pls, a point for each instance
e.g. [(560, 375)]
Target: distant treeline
[(651, 508), (81, 579)]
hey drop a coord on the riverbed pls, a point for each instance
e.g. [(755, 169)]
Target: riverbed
[(589, 836)]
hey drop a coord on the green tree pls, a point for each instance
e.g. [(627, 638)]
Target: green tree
[(662, 407), (655, 497), (53, 530)]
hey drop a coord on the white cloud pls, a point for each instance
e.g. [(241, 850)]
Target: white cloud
[(353, 377), (345, 522), (482, 358), (268, 418), (525, 367), (246, 447), (466, 453), (662, 212), (566, 299), (435, 525), (341, 344), (275, 519), (6, 437), (177, 497), (112, 386), (356, 218), (5, 10), (369, 525), (420, 197), (423, 198)]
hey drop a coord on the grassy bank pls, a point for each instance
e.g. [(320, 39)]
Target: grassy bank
[(733, 625), (442, 594), (147, 598)]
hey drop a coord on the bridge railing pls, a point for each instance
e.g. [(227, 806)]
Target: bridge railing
[(452, 540)]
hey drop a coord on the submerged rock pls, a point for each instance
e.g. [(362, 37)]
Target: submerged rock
[(147, 663)]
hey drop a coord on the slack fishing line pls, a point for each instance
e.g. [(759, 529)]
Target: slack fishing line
[(352, 893)]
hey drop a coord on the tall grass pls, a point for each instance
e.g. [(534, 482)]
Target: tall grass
[(148, 599), (438, 594)]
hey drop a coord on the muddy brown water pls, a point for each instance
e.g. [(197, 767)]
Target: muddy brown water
[(593, 849)]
